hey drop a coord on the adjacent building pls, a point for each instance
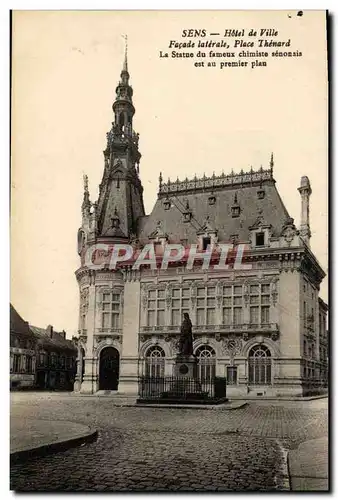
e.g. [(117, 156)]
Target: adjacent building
[(55, 359), (40, 358), (22, 352), (262, 324)]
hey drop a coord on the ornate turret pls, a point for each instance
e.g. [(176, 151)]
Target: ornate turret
[(123, 106), (121, 188)]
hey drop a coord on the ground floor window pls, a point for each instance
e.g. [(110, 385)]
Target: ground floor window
[(16, 363), (260, 365), (154, 362), (29, 364), (231, 375), (206, 362)]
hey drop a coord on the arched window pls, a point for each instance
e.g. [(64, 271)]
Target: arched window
[(155, 359), (259, 365), (206, 362)]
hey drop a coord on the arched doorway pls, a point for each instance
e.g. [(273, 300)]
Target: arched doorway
[(109, 369), (259, 365), (206, 362)]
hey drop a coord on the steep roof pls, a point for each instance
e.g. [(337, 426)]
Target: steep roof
[(56, 341), (196, 195), (17, 323)]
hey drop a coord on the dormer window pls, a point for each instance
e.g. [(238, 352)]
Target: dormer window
[(167, 203), (212, 199), (206, 242), (260, 192), (260, 239), (187, 213), (235, 208)]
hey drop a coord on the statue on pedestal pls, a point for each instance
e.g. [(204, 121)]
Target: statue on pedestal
[(186, 341)]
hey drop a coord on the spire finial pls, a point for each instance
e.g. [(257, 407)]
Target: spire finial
[(85, 183), (86, 200), (125, 63), (271, 162)]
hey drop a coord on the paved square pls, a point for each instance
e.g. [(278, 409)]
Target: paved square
[(145, 449)]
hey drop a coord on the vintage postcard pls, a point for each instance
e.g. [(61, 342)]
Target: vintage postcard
[(169, 250)]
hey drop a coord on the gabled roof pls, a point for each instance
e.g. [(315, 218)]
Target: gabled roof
[(56, 341), (17, 323)]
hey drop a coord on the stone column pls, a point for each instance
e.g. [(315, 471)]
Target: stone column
[(78, 376), (90, 379), (128, 383)]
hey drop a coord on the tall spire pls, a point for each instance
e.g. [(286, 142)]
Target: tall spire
[(271, 162), (125, 63), (124, 72)]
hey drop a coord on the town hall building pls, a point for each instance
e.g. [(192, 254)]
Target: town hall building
[(261, 325)]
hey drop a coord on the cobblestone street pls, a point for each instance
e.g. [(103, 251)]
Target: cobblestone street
[(144, 449)]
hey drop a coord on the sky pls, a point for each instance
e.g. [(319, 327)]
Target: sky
[(65, 68)]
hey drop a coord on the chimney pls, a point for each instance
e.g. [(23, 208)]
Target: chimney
[(49, 331), (63, 334), (305, 192)]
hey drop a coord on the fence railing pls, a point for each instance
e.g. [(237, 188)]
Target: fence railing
[(181, 388)]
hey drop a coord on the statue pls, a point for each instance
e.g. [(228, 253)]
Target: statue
[(185, 345)]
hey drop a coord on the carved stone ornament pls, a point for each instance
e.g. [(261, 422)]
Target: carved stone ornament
[(168, 294), (144, 299), (219, 293), (193, 294), (245, 336), (274, 292), (246, 293), (274, 336), (289, 231), (232, 346)]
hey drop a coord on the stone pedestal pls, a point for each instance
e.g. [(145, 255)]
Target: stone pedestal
[(185, 367)]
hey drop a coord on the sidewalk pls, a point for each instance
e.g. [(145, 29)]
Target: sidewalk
[(31, 437), (309, 465)]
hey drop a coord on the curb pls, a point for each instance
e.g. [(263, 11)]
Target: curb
[(305, 398), (185, 407), (46, 449)]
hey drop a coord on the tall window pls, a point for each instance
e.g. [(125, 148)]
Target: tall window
[(53, 360), (206, 362), (260, 365), (231, 375), (205, 306), (156, 308), (233, 305), (42, 358), (29, 364), (111, 310), (155, 359), (16, 363), (259, 304), (180, 304)]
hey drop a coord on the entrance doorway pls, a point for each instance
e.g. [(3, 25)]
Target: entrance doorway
[(109, 369)]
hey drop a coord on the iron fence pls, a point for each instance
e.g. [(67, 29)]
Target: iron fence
[(155, 388)]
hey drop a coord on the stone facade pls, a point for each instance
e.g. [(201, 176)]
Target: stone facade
[(262, 324)]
